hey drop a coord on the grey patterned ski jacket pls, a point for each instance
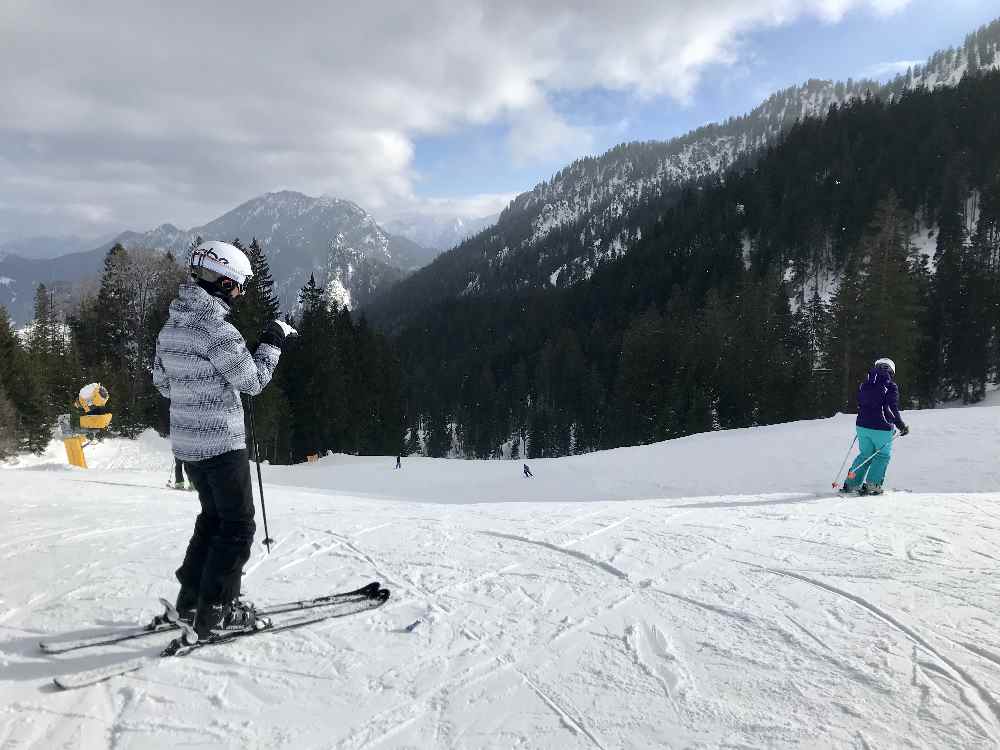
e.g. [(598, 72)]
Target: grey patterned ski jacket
[(202, 365)]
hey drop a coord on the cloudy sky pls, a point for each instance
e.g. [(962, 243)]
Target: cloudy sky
[(124, 115)]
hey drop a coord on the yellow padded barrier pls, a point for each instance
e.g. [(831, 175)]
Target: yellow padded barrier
[(74, 451)]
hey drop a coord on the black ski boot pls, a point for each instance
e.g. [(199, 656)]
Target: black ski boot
[(845, 490), (235, 615), (875, 489), (214, 620), (864, 489)]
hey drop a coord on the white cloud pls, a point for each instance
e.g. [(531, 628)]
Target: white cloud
[(538, 134), (886, 70), (177, 111), (467, 207), (89, 212)]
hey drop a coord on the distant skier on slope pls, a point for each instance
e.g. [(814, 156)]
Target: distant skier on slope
[(202, 365), (878, 413), (527, 472), (179, 475)]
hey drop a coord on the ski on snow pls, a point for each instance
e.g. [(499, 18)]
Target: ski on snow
[(871, 495), (342, 608), (160, 624), (349, 608)]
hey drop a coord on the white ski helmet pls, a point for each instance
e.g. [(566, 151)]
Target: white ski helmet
[(887, 363), (214, 260)]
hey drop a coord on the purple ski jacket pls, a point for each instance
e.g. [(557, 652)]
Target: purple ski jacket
[(878, 401)]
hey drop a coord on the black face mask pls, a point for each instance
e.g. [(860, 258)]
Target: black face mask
[(219, 293)]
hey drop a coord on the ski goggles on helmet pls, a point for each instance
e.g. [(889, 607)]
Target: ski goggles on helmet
[(228, 285)]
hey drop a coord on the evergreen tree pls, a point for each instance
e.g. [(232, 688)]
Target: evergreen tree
[(437, 436), (412, 444), (844, 352), (947, 314), (307, 362), (18, 378), (258, 306), (114, 334), (986, 252), (643, 377), (46, 351), (8, 424), (272, 412), (815, 324), (889, 293)]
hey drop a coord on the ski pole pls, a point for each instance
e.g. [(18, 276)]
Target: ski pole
[(852, 473), (843, 463), (268, 541)]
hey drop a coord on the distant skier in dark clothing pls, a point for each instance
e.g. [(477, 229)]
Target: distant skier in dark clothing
[(527, 472), (878, 414), (202, 365), (178, 474), (399, 462)]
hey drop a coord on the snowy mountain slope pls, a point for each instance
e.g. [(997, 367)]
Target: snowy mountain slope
[(619, 599), (594, 201), (301, 235), (594, 210), (437, 232)]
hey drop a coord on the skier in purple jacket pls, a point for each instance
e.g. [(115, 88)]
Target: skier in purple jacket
[(878, 414)]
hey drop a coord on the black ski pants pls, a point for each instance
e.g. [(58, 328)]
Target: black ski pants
[(223, 531)]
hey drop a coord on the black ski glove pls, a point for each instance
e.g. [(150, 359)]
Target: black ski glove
[(276, 333), (904, 431)]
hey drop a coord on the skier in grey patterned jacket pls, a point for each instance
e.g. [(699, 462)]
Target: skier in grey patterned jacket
[(202, 365)]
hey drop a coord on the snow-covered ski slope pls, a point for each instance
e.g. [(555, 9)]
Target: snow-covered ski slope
[(708, 592)]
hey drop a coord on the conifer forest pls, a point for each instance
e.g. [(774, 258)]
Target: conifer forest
[(755, 296)]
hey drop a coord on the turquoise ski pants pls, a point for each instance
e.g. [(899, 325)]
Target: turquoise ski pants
[(876, 443)]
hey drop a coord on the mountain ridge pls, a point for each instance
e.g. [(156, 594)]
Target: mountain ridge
[(596, 208), (302, 235)]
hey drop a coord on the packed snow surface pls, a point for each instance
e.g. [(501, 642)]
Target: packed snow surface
[(707, 592)]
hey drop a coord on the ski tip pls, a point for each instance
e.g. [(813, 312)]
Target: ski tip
[(101, 674), (66, 682), (55, 648)]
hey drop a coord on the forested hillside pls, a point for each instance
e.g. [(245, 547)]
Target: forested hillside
[(696, 328), (597, 209), (750, 295), (336, 387)]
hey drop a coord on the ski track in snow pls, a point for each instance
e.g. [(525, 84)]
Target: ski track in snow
[(777, 618), (577, 725), (963, 675), (607, 567)]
